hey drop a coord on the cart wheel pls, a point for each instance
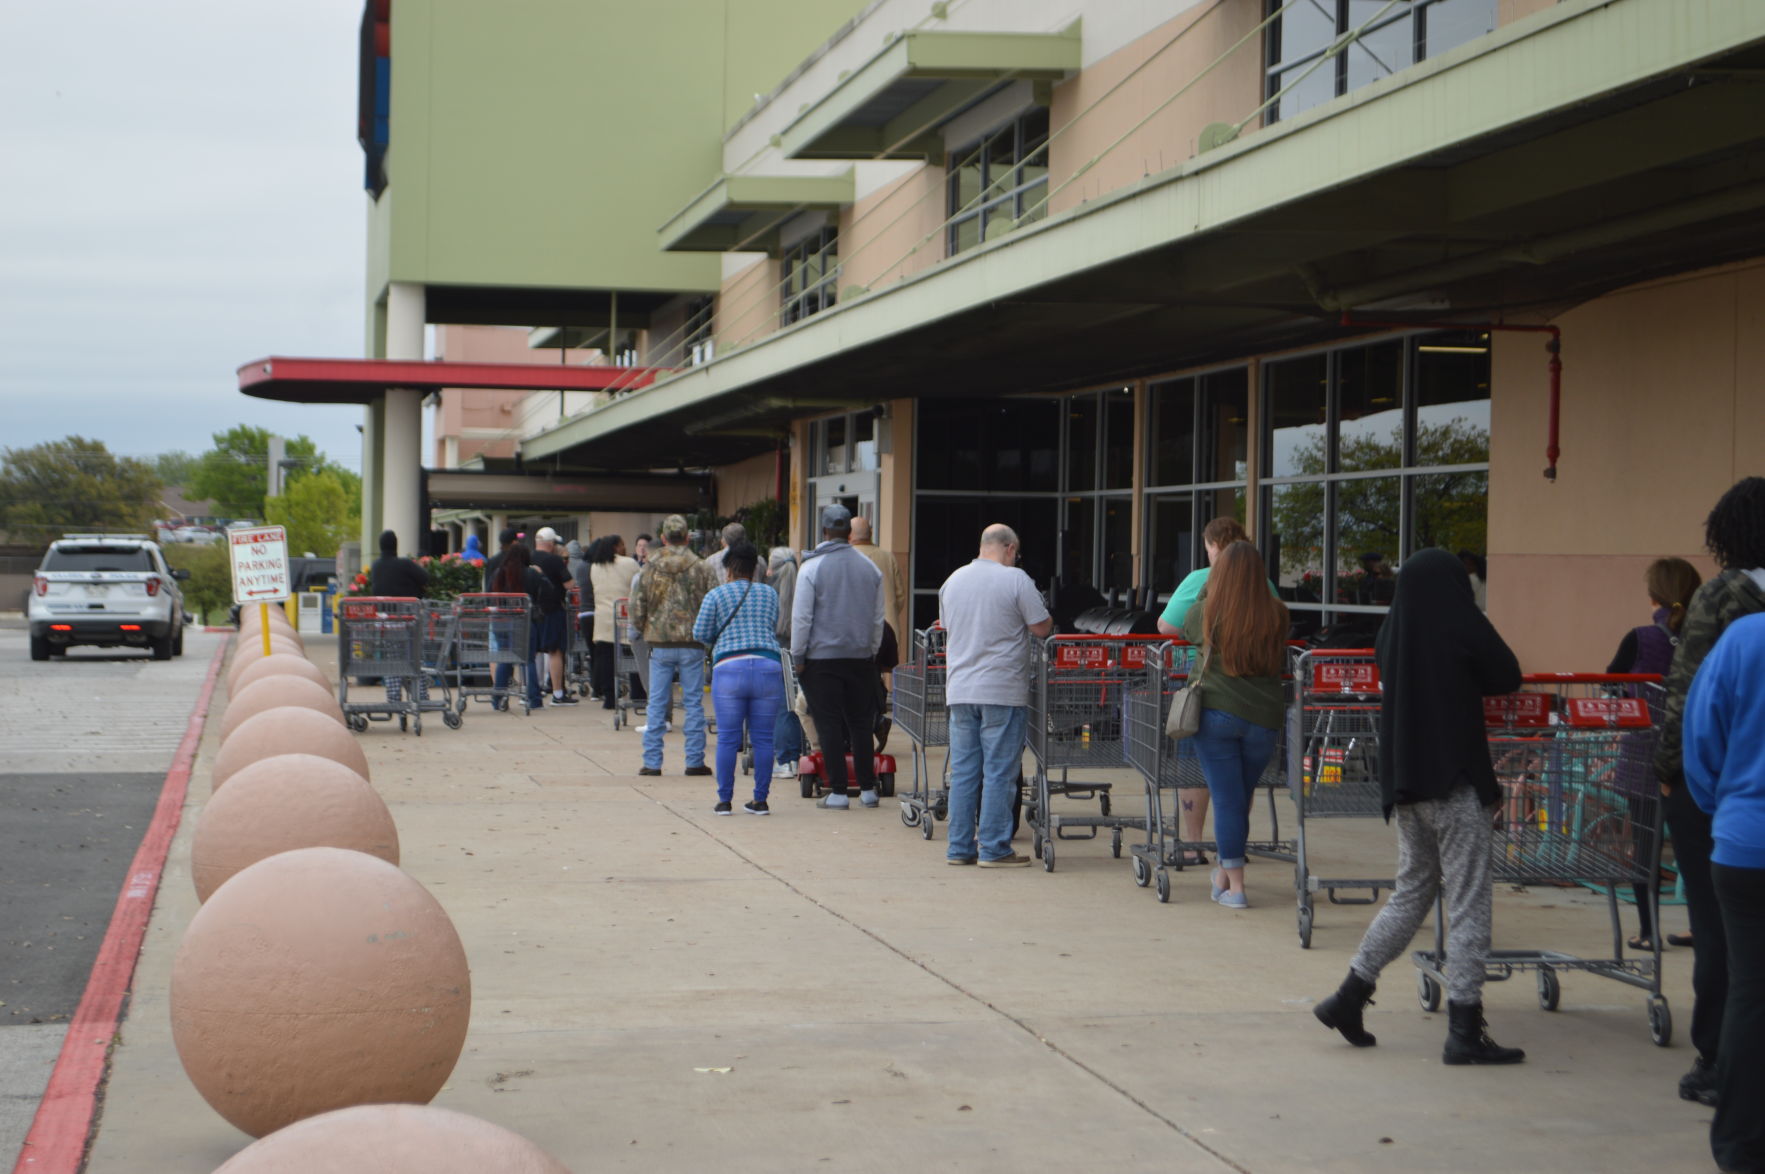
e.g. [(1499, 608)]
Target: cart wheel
[(1036, 847), (1660, 1021), (1164, 886), (618, 719), (1305, 927), (1142, 872), (925, 828), (910, 815), (1048, 854), (1115, 844), (357, 722), (807, 784), (1427, 991), (417, 725), (747, 762), (885, 786), (404, 723), (1549, 989), (941, 810), (451, 719), (1103, 804)]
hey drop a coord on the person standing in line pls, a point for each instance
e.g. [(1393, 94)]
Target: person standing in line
[(516, 575), (788, 742), (549, 634), (1725, 775), (1438, 658), (739, 623), (1735, 534), (397, 578), (664, 605), (576, 563), (836, 628), (1215, 537), (894, 594), (1671, 583), (501, 635), (731, 534), (609, 578), (641, 549), (990, 611), (1243, 636)]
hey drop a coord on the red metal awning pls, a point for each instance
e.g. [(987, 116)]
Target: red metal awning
[(358, 381)]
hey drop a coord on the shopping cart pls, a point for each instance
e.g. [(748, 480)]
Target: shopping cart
[(1170, 766), (624, 663), (491, 629), (440, 625), (1078, 710), (920, 712), (1579, 802), (1333, 757), (380, 637), (578, 648)]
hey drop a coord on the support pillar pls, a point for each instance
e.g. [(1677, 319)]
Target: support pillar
[(371, 468), (401, 439)]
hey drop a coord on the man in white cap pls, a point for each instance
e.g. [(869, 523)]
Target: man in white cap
[(836, 628), (550, 633)]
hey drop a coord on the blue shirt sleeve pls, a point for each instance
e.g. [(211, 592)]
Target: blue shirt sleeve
[(1188, 591), (705, 623)]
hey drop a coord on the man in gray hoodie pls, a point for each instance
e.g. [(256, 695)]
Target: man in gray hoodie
[(836, 628)]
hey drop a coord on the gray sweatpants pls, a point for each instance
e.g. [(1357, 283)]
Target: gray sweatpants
[(1441, 843)]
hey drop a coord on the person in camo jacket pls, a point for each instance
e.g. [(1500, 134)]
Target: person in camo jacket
[(665, 601), (1735, 534)]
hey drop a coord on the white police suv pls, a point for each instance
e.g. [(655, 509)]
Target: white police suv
[(108, 590)]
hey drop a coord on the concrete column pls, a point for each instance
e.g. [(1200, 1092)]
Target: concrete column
[(402, 435), (370, 475), (493, 542)]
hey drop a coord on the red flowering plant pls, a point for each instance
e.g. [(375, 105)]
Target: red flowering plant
[(358, 585), (451, 576)]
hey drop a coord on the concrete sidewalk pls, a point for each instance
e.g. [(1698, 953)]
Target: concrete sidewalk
[(878, 1010)]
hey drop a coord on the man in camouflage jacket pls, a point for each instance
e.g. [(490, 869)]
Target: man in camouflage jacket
[(1735, 533), (664, 604)]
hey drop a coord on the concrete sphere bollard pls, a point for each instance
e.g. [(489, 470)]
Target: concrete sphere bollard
[(248, 621), (277, 664), (273, 692), (253, 650), (283, 803), (315, 980), (393, 1139), (287, 730)]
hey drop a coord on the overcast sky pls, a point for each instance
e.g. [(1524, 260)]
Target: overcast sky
[(180, 193)]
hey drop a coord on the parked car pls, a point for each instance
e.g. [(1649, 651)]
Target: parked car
[(109, 590)]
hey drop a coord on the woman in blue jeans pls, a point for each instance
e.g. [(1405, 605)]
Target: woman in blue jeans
[(739, 623), (1243, 635)]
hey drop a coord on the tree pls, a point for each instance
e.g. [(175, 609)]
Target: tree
[(318, 511), (210, 586), (234, 474), (73, 484), (175, 468)]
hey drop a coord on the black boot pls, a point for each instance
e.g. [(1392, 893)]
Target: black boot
[(1468, 1039), (1342, 1010), (1700, 1083)]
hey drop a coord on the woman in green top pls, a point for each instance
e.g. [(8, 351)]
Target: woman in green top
[(1243, 633)]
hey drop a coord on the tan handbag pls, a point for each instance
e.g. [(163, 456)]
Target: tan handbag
[(1185, 715)]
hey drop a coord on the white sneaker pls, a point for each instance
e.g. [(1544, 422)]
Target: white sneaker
[(834, 802), (784, 770), (868, 798), (666, 727)]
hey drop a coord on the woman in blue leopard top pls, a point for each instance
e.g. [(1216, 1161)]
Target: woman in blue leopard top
[(738, 622)]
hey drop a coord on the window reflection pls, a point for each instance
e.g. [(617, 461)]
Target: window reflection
[(1391, 37), (1297, 401)]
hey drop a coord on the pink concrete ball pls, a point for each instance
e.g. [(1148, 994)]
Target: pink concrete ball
[(283, 803), (279, 625), (315, 980), (251, 651), (286, 730), (393, 1139), (273, 692), (276, 665)]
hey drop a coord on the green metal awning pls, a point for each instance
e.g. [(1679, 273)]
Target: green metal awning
[(891, 107), (742, 213)]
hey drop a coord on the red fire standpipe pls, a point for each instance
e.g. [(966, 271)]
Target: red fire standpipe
[(1554, 348)]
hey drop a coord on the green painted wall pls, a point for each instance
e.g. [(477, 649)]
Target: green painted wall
[(541, 142)]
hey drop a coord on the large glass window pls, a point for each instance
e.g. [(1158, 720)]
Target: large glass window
[(1373, 452), (1196, 470), (998, 181), (810, 272), (1391, 36), (843, 444)]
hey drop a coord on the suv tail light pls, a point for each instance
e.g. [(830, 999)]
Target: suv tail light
[(41, 584), (152, 586)]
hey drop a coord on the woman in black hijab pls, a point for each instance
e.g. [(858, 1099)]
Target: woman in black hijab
[(1438, 658)]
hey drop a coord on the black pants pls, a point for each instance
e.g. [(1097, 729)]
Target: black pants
[(600, 671), (842, 700), (1737, 1136), (1690, 829)]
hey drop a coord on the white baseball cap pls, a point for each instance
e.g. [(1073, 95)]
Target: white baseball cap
[(546, 534)]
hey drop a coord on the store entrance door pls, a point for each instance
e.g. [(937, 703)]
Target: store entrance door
[(860, 493)]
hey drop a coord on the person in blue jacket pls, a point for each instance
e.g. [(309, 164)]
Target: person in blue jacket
[(1724, 760)]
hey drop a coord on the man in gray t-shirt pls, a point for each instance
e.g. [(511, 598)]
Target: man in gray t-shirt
[(990, 611)]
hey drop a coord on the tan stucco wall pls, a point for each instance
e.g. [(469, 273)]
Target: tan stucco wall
[(1227, 94), (1663, 410), (748, 305), (466, 414), (883, 237), (745, 482)]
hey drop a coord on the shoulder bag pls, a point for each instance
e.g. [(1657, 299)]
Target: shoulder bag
[(1185, 715)]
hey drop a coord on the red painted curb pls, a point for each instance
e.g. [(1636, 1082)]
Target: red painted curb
[(56, 1143)]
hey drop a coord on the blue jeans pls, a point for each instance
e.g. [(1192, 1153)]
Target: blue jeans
[(986, 752), (687, 665), (748, 691), (1233, 754)]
